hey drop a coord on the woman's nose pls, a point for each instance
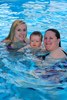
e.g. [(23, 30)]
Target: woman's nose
[(22, 33), (47, 40)]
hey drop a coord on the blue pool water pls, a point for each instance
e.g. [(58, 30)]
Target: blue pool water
[(17, 78)]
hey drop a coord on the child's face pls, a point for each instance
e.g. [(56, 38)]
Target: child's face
[(35, 41), (20, 32)]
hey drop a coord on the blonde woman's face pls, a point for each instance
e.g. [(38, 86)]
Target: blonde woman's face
[(35, 41), (20, 32), (50, 41)]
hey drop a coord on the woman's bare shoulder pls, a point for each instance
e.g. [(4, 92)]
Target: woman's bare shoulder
[(58, 53), (6, 41)]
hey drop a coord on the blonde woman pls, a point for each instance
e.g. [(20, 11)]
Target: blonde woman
[(17, 37)]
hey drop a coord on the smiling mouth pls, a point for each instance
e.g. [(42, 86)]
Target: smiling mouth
[(21, 36), (48, 43), (34, 45)]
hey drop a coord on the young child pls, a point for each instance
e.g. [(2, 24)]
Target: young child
[(35, 45)]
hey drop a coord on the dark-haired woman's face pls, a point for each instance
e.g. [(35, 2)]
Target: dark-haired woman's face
[(50, 41)]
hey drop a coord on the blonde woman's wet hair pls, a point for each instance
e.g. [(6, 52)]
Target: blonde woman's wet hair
[(12, 29)]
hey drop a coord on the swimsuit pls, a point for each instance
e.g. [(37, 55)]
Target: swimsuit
[(44, 56), (64, 52)]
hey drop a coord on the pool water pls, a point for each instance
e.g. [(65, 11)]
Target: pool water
[(18, 79)]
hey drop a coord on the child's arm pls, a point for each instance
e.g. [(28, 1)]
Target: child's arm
[(27, 46)]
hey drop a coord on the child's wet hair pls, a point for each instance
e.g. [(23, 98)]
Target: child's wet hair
[(37, 33)]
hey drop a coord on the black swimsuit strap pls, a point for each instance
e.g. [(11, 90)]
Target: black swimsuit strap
[(43, 56), (64, 52)]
